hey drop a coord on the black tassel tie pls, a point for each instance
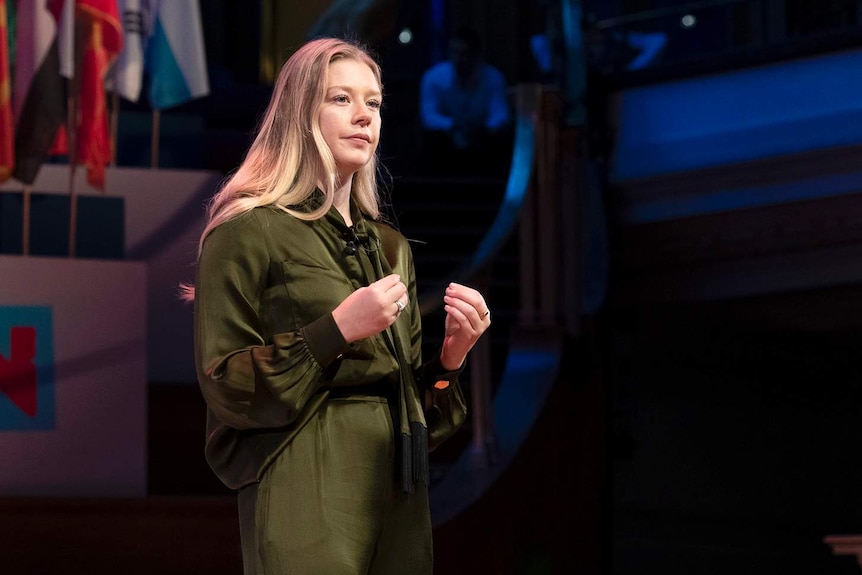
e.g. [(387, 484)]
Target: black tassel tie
[(413, 454), (414, 457)]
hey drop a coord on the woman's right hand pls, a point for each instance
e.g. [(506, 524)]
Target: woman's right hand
[(371, 309)]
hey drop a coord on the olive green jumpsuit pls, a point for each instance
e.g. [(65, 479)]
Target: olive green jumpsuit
[(325, 442)]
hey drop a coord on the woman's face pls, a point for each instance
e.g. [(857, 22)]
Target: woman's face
[(350, 115)]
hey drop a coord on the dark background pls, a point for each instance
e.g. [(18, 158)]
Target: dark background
[(727, 429)]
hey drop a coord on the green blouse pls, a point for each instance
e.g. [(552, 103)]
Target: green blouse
[(268, 351)]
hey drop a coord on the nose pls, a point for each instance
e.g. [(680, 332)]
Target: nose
[(362, 116)]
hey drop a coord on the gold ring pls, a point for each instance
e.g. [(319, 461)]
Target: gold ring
[(400, 306), (487, 312)]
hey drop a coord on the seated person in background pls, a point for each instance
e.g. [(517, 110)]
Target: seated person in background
[(464, 110)]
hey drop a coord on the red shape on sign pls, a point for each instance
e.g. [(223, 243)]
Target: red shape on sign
[(18, 374)]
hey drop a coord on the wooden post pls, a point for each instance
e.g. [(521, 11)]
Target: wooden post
[(527, 232), (482, 397), (25, 220), (72, 144), (548, 217), (154, 146), (569, 189), (115, 120)]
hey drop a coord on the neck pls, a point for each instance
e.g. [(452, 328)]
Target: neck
[(341, 201)]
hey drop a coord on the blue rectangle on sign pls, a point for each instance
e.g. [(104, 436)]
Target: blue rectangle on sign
[(26, 368)]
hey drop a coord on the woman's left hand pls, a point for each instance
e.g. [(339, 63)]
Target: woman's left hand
[(467, 318)]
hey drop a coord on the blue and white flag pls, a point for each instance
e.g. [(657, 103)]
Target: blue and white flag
[(175, 58)]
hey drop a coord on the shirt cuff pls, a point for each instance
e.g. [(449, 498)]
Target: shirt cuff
[(433, 372), (324, 340)]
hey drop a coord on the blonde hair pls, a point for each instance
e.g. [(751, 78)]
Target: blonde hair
[(289, 159)]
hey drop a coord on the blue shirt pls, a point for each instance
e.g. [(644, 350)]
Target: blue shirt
[(449, 106)]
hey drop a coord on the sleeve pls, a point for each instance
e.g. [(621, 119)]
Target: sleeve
[(247, 380), (429, 102), (498, 105)]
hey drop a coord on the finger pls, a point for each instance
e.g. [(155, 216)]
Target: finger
[(462, 312), (387, 282), (399, 307), (467, 294), (461, 288), (455, 320), (397, 291), (468, 309)]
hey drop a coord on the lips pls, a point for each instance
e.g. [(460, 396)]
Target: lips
[(362, 137)]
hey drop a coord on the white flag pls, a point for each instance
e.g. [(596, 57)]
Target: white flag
[(66, 39), (126, 75)]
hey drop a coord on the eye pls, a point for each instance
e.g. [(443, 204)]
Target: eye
[(341, 99), (375, 104)]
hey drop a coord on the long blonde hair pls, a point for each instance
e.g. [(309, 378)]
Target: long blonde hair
[(289, 159)]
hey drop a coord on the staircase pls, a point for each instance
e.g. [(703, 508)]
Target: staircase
[(445, 220)]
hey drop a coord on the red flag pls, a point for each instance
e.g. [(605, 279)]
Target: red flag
[(103, 39), (7, 132), (64, 14)]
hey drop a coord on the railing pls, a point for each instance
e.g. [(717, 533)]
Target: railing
[(706, 35), (537, 209), (527, 104)]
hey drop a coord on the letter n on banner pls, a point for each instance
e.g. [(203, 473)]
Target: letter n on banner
[(26, 368)]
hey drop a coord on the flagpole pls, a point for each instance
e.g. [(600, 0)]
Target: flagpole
[(73, 98), (154, 147), (72, 145), (25, 220), (115, 120)]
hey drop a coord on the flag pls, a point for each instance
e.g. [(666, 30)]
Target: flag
[(175, 57), (64, 15), (7, 128), (102, 41), (126, 75), (38, 91)]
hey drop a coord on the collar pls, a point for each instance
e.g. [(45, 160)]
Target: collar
[(361, 232)]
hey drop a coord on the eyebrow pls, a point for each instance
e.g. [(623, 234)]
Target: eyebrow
[(372, 92)]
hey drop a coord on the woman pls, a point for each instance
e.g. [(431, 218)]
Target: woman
[(307, 337)]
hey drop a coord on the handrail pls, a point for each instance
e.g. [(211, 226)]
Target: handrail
[(528, 98), (527, 102), (770, 35), (658, 13), (533, 201)]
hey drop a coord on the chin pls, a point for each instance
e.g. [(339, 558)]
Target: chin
[(352, 167)]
